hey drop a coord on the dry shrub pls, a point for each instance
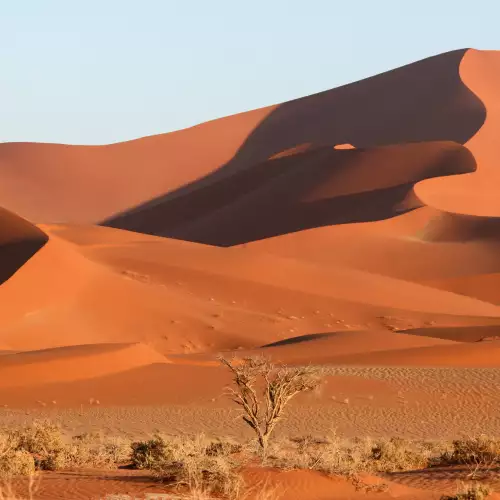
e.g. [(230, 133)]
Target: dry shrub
[(349, 457), (196, 463), (34, 446), (475, 491), (94, 451), (335, 456), (396, 454), (41, 445), (479, 454), (263, 409), (42, 440), (17, 463), (148, 454)]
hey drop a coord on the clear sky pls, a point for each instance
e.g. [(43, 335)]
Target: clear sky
[(100, 71)]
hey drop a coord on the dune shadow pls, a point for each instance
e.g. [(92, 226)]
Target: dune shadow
[(14, 255), (19, 241), (299, 339), (421, 102), (312, 189)]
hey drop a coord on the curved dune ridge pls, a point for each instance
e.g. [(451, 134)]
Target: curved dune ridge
[(311, 188), (186, 297), (475, 194), (67, 364), (352, 216), (423, 101)]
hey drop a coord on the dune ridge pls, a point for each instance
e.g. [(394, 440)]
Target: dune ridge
[(68, 364), (354, 226)]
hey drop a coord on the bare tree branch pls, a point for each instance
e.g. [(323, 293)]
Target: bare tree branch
[(263, 410)]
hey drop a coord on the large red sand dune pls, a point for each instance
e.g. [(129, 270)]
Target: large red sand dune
[(356, 213)]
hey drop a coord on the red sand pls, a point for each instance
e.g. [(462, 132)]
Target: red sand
[(357, 212)]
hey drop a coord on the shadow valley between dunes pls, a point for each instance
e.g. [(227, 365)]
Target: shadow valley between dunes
[(422, 102)]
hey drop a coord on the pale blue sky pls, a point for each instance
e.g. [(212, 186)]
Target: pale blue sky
[(100, 71)]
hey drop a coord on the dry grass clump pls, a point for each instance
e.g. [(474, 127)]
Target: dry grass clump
[(42, 440), (476, 491), (148, 454), (335, 456), (93, 450), (349, 457), (195, 463), (42, 446), (23, 450), (17, 463), (396, 454), (479, 454)]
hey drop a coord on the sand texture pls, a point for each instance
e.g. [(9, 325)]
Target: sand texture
[(357, 229)]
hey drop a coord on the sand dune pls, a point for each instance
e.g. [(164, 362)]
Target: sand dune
[(482, 286), (323, 348), (322, 187), (479, 354), (185, 297), (107, 179), (352, 215), (73, 363), (474, 195), (423, 101), (363, 232)]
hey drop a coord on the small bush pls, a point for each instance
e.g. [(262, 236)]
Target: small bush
[(17, 463), (398, 454), (43, 440), (94, 451), (479, 454), (151, 454), (470, 492), (195, 463), (349, 457), (40, 446), (222, 447)]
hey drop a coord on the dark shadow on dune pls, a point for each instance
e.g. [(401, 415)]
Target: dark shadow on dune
[(14, 255), (19, 241), (299, 339), (420, 102), (312, 189), (267, 219)]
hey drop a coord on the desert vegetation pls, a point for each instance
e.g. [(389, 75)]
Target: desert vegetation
[(207, 467), (42, 446), (263, 390), (215, 467), (474, 491)]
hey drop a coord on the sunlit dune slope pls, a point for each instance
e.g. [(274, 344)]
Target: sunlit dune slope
[(67, 364), (423, 101)]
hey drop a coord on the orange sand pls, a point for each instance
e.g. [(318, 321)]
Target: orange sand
[(357, 227)]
